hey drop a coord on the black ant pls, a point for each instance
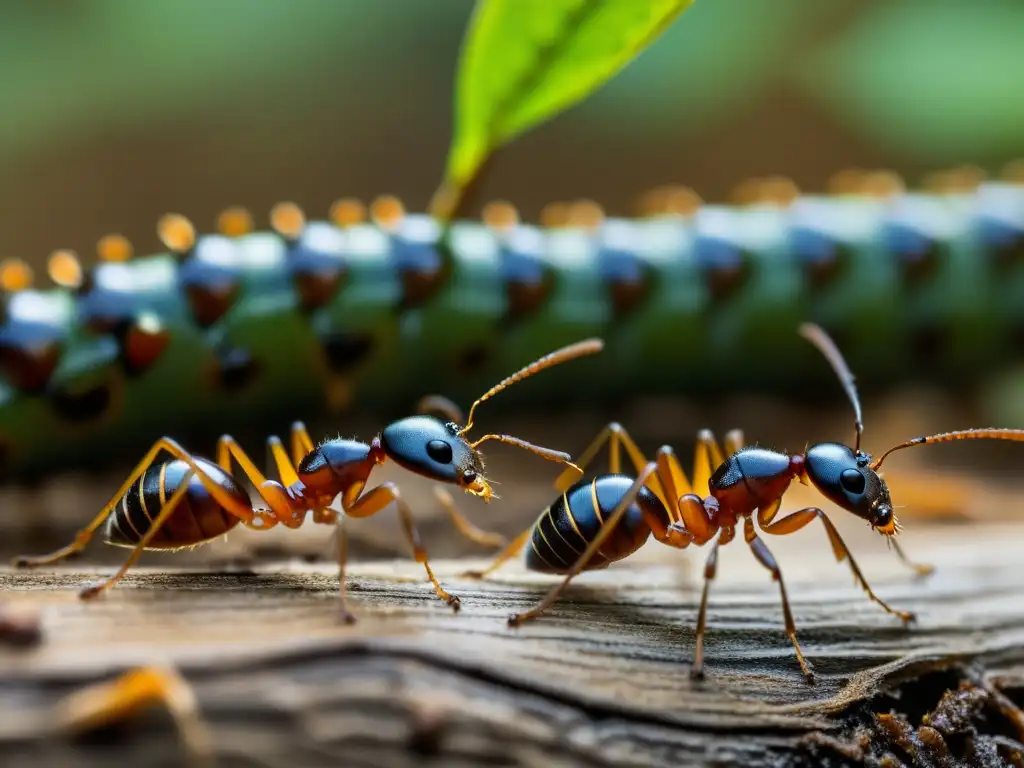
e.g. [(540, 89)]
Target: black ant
[(597, 522), (195, 500)]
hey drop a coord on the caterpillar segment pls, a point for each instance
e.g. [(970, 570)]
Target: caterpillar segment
[(246, 330)]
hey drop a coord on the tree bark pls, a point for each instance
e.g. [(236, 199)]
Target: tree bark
[(600, 680)]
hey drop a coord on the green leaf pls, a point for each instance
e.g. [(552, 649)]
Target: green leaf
[(523, 61)]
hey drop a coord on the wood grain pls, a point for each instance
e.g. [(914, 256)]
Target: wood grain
[(601, 680)]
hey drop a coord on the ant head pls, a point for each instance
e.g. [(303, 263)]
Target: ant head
[(847, 478), (850, 477), (438, 447), (844, 475), (434, 448)]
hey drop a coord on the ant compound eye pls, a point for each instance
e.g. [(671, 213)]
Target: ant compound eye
[(439, 451), (853, 481), (468, 476)]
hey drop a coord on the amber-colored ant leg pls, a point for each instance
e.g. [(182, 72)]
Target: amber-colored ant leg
[(674, 481), (111, 702), (283, 462), (282, 510), (510, 551), (921, 569), (274, 493), (592, 548), (765, 557), (302, 443), (710, 569), (162, 516), (687, 509), (734, 441), (439, 405), (464, 526), (797, 520), (373, 501), (82, 538), (707, 458), (617, 439)]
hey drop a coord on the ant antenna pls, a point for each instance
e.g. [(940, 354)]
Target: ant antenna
[(559, 457), (579, 349), (823, 342), (439, 405), (1016, 435)]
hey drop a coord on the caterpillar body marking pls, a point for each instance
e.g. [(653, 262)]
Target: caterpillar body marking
[(241, 330)]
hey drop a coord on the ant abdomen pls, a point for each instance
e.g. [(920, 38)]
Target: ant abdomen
[(197, 518), (564, 529)]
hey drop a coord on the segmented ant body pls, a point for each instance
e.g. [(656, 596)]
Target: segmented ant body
[(195, 500), (599, 521)]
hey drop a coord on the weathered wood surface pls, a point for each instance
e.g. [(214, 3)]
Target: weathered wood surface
[(602, 680)]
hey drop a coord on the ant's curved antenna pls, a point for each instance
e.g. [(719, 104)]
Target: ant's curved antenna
[(1016, 435), (823, 342), (570, 352)]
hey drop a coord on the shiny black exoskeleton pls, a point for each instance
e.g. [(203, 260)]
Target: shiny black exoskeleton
[(564, 529), (184, 500), (597, 522)]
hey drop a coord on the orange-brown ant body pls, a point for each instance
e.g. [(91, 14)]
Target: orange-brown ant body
[(599, 521), (195, 500)]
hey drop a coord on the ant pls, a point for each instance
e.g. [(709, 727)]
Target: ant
[(606, 519), (196, 500)]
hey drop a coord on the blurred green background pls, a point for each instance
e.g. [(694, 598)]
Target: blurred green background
[(115, 111)]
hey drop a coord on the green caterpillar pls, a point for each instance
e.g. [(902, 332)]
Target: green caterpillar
[(245, 333)]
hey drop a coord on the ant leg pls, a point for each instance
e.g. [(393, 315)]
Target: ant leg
[(106, 703), (342, 533), (734, 441), (510, 551), (439, 405), (329, 516), (273, 493), (616, 437), (687, 510), (921, 569), (710, 569), (283, 462), (302, 443), (463, 526), (82, 538), (592, 548), (373, 501), (797, 520), (162, 516), (282, 508), (764, 556), (707, 458)]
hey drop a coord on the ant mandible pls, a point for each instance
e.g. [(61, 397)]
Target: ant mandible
[(599, 521), (197, 501)]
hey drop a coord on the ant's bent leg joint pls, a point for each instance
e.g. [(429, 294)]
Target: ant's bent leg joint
[(373, 501), (765, 557), (698, 517)]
